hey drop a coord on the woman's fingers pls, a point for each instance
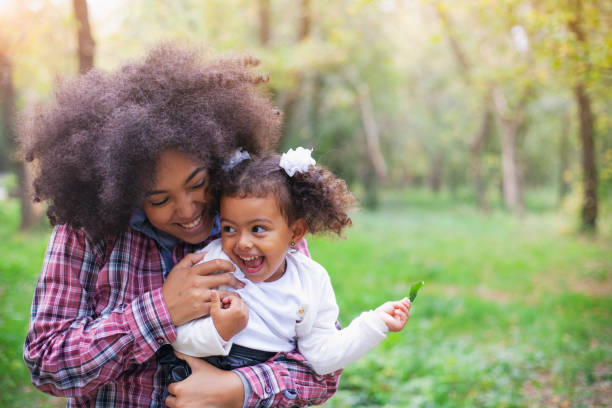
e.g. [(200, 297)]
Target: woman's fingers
[(191, 259), (195, 363), (213, 266), (213, 281)]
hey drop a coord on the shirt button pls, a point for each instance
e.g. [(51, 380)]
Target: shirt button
[(159, 340), (268, 390)]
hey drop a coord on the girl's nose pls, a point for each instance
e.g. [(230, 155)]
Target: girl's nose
[(244, 243)]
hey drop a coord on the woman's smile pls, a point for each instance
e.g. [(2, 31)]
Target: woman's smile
[(193, 224)]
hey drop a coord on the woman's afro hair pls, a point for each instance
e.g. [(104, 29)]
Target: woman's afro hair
[(96, 145)]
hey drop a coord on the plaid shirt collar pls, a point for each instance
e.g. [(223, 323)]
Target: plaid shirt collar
[(165, 241)]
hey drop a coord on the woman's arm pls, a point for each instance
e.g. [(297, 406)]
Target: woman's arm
[(69, 349), (287, 380), (284, 381)]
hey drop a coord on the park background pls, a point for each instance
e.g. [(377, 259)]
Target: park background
[(476, 134)]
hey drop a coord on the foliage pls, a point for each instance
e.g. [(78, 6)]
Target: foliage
[(20, 262), (426, 111)]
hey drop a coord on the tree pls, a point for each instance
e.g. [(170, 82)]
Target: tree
[(485, 129), (587, 131), (7, 117), (85, 39), (579, 33), (264, 22)]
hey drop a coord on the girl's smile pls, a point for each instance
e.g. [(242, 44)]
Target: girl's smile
[(256, 236)]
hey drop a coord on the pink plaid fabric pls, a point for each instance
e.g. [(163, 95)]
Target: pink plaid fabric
[(98, 318)]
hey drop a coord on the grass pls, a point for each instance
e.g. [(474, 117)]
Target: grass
[(514, 313)]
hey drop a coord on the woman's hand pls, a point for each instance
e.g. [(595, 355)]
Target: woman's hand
[(395, 314), (230, 315), (207, 386), (188, 286)]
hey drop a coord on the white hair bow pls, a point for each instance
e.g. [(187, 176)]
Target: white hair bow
[(297, 161)]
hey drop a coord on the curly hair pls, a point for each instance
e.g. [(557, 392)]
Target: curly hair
[(96, 145), (317, 196)]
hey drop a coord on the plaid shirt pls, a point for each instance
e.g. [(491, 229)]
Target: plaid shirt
[(98, 317)]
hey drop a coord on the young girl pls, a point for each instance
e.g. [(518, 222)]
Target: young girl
[(267, 205)]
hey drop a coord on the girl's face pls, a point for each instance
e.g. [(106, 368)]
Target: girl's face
[(256, 237), (178, 203)]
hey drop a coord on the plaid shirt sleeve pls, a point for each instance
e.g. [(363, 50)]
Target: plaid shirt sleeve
[(287, 380), (70, 348)]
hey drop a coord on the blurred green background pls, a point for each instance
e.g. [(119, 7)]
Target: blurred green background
[(476, 134)]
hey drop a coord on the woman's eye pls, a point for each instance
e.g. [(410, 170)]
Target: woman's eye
[(160, 202), (259, 229), (199, 185), (227, 229)]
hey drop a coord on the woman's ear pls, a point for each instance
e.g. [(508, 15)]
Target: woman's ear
[(298, 229)]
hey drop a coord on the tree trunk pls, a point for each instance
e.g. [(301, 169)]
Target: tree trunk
[(371, 132), (316, 102), (291, 98), (435, 171), (85, 40), (564, 156), (510, 124), (476, 152), (305, 21), (264, 22), (7, 111), (587, 135), (589, 167)]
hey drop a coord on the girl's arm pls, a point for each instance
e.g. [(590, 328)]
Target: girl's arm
[(212, 335), (70, 349), (328, 349)]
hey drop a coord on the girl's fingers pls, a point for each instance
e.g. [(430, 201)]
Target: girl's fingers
[(401, 306), (170, 400)]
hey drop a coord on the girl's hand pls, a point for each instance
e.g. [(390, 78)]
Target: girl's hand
[(207, 386), (188, 286), (395, 314), (230, 315)]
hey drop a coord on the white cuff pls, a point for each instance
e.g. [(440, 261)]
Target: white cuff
[(199, 338)]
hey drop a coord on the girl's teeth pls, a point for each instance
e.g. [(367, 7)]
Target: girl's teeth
[(192, 224)]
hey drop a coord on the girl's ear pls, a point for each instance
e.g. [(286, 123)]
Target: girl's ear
[(298, 229)]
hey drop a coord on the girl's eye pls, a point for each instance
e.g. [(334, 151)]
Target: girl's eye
[(227, 229), (158, 203), (259, 229), (199, 185)]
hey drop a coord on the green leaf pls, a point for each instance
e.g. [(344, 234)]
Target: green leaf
[(414, 289)]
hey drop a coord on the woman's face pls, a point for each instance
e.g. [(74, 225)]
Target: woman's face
[(178, 203)]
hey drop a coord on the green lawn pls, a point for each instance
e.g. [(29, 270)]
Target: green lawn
[(514, 313)]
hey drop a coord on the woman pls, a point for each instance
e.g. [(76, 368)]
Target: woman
[(126, 160)]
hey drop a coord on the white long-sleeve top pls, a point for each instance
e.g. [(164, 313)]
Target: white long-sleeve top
[(300, 307)]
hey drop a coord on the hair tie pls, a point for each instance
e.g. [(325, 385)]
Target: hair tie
[(238, 157), (296, 161)]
